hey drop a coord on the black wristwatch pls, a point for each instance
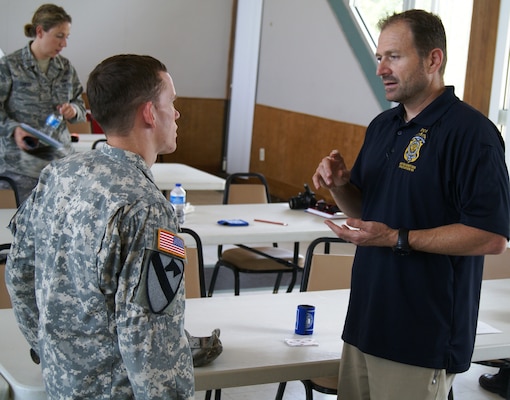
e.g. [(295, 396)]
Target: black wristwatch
[(402, 247)]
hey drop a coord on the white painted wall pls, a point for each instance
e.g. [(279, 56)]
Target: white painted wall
[(190, 36), (306, 64)]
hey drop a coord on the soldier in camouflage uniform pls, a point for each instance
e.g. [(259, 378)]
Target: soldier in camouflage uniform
[(95, 271), (36, 81)]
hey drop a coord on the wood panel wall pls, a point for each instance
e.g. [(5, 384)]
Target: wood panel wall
[(482, 50), (294, 144), (200, 134)]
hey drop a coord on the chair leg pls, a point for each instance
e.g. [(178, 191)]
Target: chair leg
[(277, 282), (292, 281), (214, 276), (281, 389), (237, 285), (308, 389), (296, 252), (217, 394)]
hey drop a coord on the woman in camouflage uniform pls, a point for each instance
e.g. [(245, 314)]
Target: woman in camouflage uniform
[(36, 81)]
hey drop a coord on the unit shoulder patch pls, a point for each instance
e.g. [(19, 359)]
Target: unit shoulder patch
[(164, 276)]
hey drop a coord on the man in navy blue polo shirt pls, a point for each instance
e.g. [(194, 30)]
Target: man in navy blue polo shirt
[(428, 196)]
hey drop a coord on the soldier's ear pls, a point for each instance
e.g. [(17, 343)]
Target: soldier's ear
[(148, 113), (39, 31)]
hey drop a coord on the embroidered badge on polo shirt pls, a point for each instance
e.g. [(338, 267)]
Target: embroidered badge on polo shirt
[(165, 270), (412, 151)]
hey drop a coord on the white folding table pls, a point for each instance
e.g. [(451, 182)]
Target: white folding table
[(86, 140), (166, 175), (253, 332), (5, 216), (299, 226)]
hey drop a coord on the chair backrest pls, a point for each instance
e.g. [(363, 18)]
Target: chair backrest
[(5, 300), (246, 188), (194, 275), (79, 127), (9, 198), (324, 270), (98, 144), (497, 266)]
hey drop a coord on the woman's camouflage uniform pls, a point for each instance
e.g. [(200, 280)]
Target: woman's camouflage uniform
[(27, 95)]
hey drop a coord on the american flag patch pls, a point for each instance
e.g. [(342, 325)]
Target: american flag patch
[(169, 242)]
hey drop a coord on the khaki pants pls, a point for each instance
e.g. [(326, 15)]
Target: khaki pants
[(365, 377)]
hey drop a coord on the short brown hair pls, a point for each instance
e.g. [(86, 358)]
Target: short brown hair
[(427, 29), (119, 85)]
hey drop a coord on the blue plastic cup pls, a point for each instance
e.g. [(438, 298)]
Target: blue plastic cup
[(305, 315)]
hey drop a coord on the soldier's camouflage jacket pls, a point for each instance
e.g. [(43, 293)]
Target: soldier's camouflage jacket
[(80, 276), (27, 95)]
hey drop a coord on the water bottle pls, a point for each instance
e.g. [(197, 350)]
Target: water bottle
[(52, 123), (178, 201)]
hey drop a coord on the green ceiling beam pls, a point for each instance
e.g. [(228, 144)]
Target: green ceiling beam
[(360, 48)]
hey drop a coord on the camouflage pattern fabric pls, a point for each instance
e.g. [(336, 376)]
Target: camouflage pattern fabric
[(77, 276), (27, 95)]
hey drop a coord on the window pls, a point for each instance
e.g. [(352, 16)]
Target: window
[(500, 91), (369, 12)]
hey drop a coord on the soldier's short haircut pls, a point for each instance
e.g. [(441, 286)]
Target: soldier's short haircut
[(119, 85)]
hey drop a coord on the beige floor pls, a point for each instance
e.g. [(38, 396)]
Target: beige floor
[(465, 387)]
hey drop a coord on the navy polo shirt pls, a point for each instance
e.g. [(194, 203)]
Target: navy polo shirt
[(445, 166)]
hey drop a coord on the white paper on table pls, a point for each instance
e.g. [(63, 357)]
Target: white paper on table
[(483, 329), (295, 342)]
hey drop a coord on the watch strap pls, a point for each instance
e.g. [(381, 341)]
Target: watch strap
[(402, 247)]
